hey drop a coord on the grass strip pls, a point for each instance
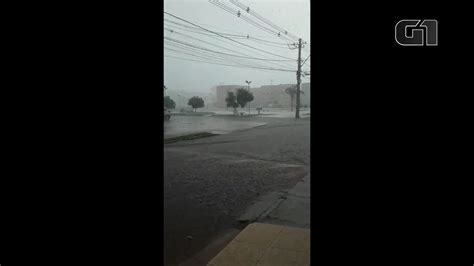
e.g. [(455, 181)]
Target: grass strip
[(189, 137)]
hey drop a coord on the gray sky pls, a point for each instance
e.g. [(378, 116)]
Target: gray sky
[(292, 15)]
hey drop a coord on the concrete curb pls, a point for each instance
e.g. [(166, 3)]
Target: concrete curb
[(294, 209), (263, 206), (188, 137)]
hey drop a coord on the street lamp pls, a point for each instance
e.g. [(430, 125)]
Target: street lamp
[(248, 82)]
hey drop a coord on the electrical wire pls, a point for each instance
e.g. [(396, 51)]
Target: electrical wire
[(246, 56), (187, 59), (226, 37), (248, 19), (235, 12), (243, 37), (305, 60), (248, 37), (220, 61), (200, 52), (252, 37), (246, 49), (202, 48), (264, 20)]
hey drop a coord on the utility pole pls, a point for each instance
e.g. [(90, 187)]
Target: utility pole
[(248, 82), (298, 46), (298, 81)]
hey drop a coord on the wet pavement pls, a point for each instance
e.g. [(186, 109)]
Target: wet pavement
[(210, 182), (274, 112), (180, 125)]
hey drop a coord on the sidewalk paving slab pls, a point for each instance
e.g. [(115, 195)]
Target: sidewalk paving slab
[(210, 251), (295, 209), (266, 244)]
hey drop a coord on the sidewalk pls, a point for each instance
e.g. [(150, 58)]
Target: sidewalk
[(280, 237), (295, 209), (266, 244)]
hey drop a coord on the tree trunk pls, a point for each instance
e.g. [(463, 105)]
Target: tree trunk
[(291, 103)]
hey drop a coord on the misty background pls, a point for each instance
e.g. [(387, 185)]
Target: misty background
[(189, 76)]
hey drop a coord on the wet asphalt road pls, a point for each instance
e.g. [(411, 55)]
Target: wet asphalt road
[(209, 182), (182, 125)]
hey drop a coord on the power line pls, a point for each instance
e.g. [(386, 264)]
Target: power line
[(233, 42), (187, 28), (272, 45), (243, 37), (208, 57), (190, 30), (246, 49), (249, 20), (234, 12), (305, 60), (219, 57), (226, 37), (187, 59), (237, 13), (278, 30), (251, 12), (246, 56), (264, 20), (220, 60), (263, 40), (194, 50), (199, 53), (187, 44), (228, 30), (198, 29)]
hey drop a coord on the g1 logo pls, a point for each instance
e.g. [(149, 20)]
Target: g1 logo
[(416, 32)]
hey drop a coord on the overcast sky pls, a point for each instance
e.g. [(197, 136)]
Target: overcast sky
[(292, 15)]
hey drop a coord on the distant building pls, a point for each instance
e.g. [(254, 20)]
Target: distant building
[(266, 96)]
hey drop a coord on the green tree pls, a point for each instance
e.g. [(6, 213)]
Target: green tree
[(196, 102), (244, 97), (231, 101), (169, 103)]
